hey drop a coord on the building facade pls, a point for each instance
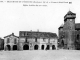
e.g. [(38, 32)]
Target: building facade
[(11, 42), (69, 33), (1, 44), (31, 40)]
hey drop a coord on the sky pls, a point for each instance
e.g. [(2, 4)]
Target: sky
[(15, 17)]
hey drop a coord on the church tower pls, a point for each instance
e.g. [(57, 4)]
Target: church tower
[(69, 20), (69, 28)]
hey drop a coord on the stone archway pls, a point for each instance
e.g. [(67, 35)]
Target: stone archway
[(42, 47), (48, 47), (53, 47), (8, 47), (14, 47), (36, 47), (26, 47)]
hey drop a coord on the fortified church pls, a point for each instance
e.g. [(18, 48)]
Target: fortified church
[(69, 32)]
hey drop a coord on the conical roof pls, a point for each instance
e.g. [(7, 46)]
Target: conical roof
[(70, 13)]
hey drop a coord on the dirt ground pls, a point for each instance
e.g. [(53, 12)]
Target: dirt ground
[(40, 55)]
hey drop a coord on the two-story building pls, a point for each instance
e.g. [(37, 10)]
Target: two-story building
[(35, 40), (11, 42)]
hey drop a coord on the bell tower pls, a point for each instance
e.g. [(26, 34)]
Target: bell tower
[(69, 20), (69, 27)]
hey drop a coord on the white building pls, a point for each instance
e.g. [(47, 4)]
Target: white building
[(11, 42)]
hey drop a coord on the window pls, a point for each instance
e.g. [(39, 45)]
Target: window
[(26, 34), (22, 34), (35, 39), (26, 40), (78, 37), (8, 40), (70, 19), (15, 41), (44, 40)]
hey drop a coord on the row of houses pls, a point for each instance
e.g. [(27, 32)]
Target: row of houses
[(29, 40), (69, 38)]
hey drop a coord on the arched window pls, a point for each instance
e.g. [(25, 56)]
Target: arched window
[(14, 47), (48, 47), (42, 47), (8, 47), (36, 47), (53, 47), (26, 47)]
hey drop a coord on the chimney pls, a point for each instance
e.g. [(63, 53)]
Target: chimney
[(12, 33), (31, 30), (37, 30)]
